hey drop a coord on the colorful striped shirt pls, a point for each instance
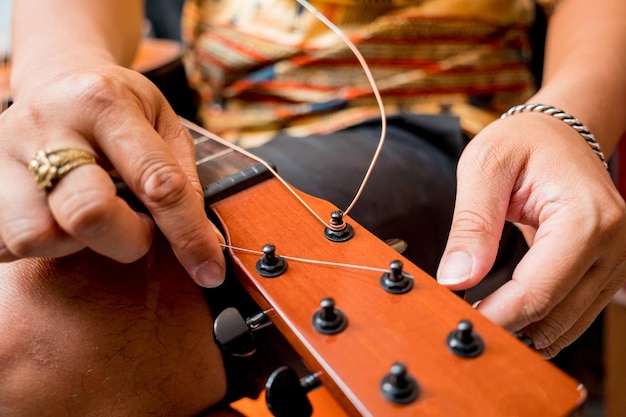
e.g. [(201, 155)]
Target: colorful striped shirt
[(262, 66)]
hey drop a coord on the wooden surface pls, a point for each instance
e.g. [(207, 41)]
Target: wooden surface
[(324, 405), (151, 54), (155, 53)]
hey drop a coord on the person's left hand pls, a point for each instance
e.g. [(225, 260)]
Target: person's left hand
[(535, 171)]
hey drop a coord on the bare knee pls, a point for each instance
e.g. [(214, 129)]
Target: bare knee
[(87, 336)]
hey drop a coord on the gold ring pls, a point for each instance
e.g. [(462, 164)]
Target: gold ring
[(50, 167)]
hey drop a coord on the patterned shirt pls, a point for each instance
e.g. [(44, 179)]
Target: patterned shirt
[(262, 66)]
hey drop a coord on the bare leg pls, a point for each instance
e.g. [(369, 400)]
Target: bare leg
[(85, 336)]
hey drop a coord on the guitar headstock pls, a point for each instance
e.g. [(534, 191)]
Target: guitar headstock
[(459, 362)]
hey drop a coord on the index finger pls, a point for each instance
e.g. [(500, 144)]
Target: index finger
[(543, 278), (160, 169)]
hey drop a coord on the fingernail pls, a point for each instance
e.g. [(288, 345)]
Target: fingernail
[(210, 274), (455, 268)]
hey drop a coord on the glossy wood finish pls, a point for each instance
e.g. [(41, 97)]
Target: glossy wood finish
[(324, 405), (155, 53), (151, 54), (508, 379)]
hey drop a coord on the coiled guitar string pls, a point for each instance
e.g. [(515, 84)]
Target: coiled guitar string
[(381, 107)]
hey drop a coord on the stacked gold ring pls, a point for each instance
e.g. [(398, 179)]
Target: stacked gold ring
[(49, 167)]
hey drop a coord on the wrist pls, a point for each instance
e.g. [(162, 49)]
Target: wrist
[(566, 118), (596, 108)]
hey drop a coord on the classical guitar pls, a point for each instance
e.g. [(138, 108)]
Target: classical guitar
[(385, 340)]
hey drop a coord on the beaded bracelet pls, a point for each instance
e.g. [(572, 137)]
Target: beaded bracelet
[(565, 117)]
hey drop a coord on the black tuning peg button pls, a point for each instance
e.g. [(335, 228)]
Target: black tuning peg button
[(396, 281), (339, 230), (399, 386), (526, 340), (233, 333), (285, 393), (328, 319), (270, 265), (464, 341)]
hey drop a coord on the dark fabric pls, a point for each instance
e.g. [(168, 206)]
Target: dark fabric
[(171, 79), (164, 17)]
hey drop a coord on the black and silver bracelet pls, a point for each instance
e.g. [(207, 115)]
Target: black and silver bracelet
[(563, 116)]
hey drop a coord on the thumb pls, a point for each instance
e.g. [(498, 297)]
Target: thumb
[(482, 202)]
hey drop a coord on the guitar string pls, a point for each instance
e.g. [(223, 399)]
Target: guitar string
[(383, 117), (257, 252), (232, 147), (311, 261), (374, 86)]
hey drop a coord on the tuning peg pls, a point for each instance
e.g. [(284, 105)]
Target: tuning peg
[(270, 265), (285, 393), (464, 341), (399, 386), (233, 333), (340, 231), (328, 319), (396, 281)]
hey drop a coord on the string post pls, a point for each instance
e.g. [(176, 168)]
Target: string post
[(396, 281), (336, 221), (337, 229), (271, 265)]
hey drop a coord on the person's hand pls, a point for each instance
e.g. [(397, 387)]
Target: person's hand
[(536, 171), (123, 119)]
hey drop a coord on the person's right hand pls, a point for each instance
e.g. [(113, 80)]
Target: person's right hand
[(122, 118)]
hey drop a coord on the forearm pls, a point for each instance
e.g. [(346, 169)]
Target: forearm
[(54, 35), (585, 66)]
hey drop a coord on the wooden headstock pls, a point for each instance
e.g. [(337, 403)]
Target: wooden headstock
[(505, 378)]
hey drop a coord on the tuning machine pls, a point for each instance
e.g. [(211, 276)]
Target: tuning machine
[(396, 281), (464, 341), (329, 319), (286, 394), (339, 230), (233, 333), (271, 265), (398, 386)]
